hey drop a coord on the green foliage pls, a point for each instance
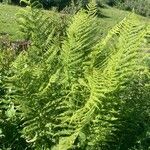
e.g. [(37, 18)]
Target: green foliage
[(32, 20), (73, 90), (140, 6), (92, 7), (109, 2), (10, 124)]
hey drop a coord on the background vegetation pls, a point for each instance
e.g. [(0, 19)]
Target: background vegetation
[(140, 6)]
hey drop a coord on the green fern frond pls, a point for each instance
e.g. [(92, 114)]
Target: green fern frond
[(81, 37), (92, 8), (124, 61), (32, 20)]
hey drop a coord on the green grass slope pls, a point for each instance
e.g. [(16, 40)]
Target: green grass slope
[(114, 16), (8, 23)]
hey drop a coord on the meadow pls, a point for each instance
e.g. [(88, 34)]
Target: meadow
[(8, 19)]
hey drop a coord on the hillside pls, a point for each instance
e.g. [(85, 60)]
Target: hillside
[(8, 23)]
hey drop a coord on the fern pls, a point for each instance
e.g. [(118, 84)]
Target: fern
[(35, 73), (81, 37), (36, 27), (92, 7), (114, 72), (10, 137), (74, 92)]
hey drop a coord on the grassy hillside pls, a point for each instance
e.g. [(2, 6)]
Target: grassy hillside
[(8, 22), (9, 25)]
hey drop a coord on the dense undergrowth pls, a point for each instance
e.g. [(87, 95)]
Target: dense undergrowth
[(73, 90)]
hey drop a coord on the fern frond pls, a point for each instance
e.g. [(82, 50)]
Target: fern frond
[(36, 27), (124, 61), (92, 8), (33, 85), (81, 37)]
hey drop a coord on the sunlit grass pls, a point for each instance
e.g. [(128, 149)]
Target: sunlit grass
[(8, 23)]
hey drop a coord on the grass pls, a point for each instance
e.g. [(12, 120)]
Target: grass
[(114, 16), (8, 23)]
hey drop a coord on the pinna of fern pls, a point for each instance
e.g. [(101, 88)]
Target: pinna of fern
[(73, 96)]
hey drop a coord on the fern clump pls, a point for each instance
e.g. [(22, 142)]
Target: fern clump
[(77, 91)]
